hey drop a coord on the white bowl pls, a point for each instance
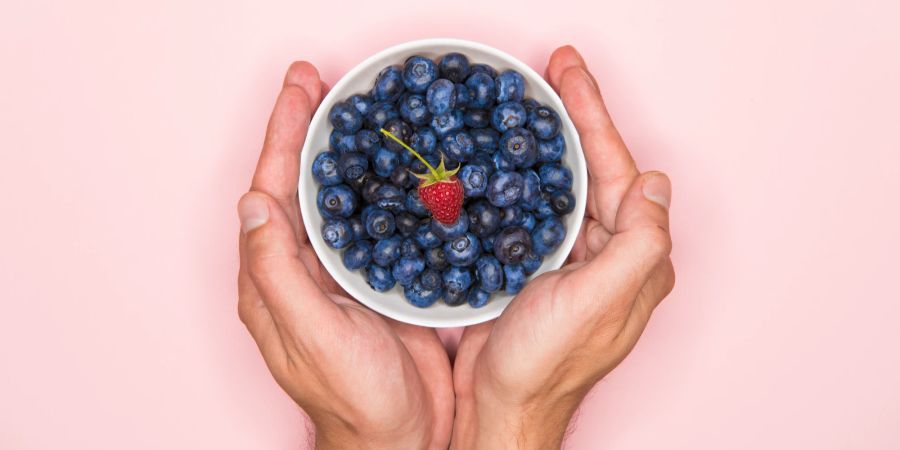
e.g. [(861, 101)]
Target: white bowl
[(360, 80)]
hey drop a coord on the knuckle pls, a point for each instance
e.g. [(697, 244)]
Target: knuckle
[(658, 240)]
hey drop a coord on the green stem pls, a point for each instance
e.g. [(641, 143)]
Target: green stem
[(415, 153)]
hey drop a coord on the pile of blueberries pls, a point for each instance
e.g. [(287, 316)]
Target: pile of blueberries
[(516, 188)]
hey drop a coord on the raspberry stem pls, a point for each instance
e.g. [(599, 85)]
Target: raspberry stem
[(415, 153)]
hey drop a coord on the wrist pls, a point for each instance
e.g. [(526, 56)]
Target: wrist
[(342, 435)]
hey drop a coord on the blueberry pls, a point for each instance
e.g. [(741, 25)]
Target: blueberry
[(477, 118), (441, 96), (357, 184), (436, 259), (359, 230), (337, 232), (555, 177), (431, 279), (530, 104), (419, 295), (336, 201), (367, 141), (423, 140), (462, 251), (489, 273), (425, 237), (370, 188), (484, 218), (515, 278), (345, 118), (487, 244), (482, 68), (384, 162), (562, 202), (485, 160), (452, 231), (414, 110), (543, 122), (481, 90), (508, 115), (379, 114), (361, 102), (455, 297), (403, 178), (532, 263), (511, 215), (458, 146), (380, 224), (462, 95), (352, 165), (390, 197), (407, 269), (543, 209), (342, 143), (388, 85), (531, 191), (401, 130), (485, 138), (474, 178), (477, 297), (454, 67), (364, 214), (509, 86), (512, 244), (528, 222), (501, 163), (387, 251), (379, 278), (325, 168), (505, 188), (357, 255), (418, 73), (547, 235), (406, 223), (551, 150), (414, 204), (519, 147), (457, 279), (409, 248), (443, 124)]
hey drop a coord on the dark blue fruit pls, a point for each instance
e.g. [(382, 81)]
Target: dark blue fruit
[(446, 232), (337, 232), (532, 263), (414, 110), (509, 87), (458, 146), (425, 237), (436, 259), (443, 124), (402, 177), (489, 272), (457, 282), (379, 114), (501, 163), (482, 68), (409, 248), (359, 230), (463, 250), (462, 95), (352, 165), (454, 67), (361, 102), (407, 269), (415, 205), (551, 150), (419, 295), (367, 141), (477, 118), (441, 96), (336, 201), (402, 130), (380, 224), (555, 177), (487, 244), (508, 115), (481, 90), (387, 251), (388, 85), (423, 140), (543, 122), (505, 188), (345, 118), (528, 222), (357, 255), (530, 104), (510, 216), (390, 197), (484, 218), (515, 278), (562, 202), (532, 189), (418, 73), (519, 147), (474, 179), (370, 189), (342, 143), (325, 169), (431, 279), (485, 139), (478, 298), (379, 278), (512, 244), (548, 235), (543, 209), (384, 162)]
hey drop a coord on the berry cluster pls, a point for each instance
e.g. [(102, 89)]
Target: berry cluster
[(455, 234)]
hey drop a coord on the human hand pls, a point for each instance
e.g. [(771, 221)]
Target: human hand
[(519, 379), (365, 381)]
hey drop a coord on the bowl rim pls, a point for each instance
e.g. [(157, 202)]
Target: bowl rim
[(478, 315)]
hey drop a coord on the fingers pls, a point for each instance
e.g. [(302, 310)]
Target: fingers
[(610, 165), (273, 264), (279, 163)]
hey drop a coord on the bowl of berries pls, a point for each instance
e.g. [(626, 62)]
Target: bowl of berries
[(437, 178)]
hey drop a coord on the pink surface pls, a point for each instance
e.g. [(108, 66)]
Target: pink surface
[(129, 132)]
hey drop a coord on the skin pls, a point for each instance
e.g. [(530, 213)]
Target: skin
[(370, 382)]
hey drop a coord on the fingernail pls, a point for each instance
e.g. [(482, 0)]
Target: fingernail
[(253, 211), (658, 189)]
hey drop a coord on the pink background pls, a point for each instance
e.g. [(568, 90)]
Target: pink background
[(127, 133)]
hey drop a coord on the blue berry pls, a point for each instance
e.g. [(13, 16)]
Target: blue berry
[(370, 188), (406, 223), (532, 263), (543, 209), (336, 201), (425, 237), (543, 122), (379, 278), (562, 202), (462, 95), (356, 184), (531, 191), (352, 165), (519, 147), (414, 204), (511, 215), (454, 67), (340, 142), (436, 259), (379, 114), (462, 251), (444, 124), (509, 87), (505, 188), (390, 197), (385, 161), (423, 140), (551, 150), (457, 282), (474, 178), (485, 160), (485, 138), (481, 90), (452, 231), (548, 235), (403, 178), (325, 168), (458, 146), (361, 102), (515, 278), (407, 268), (387, 251), (414, 110), (530, 104), (478, 298), (418, 73), (489, 272), (388, 85), (431, 279), (512, 244), (528, 222), (441, 96), (345, 118), (402, 130), (484, 218), (409, 248), (416, 166), (367, 141), (482, 68), (357, 255), (555, 177), (419, 295), (337, 232), (487, 244), (477, 118), (359, 230), (364, 214), (508, 115), (380, 224), (501, 163)]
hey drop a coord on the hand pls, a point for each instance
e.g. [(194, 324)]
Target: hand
[(519, 379), (365, 381)]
